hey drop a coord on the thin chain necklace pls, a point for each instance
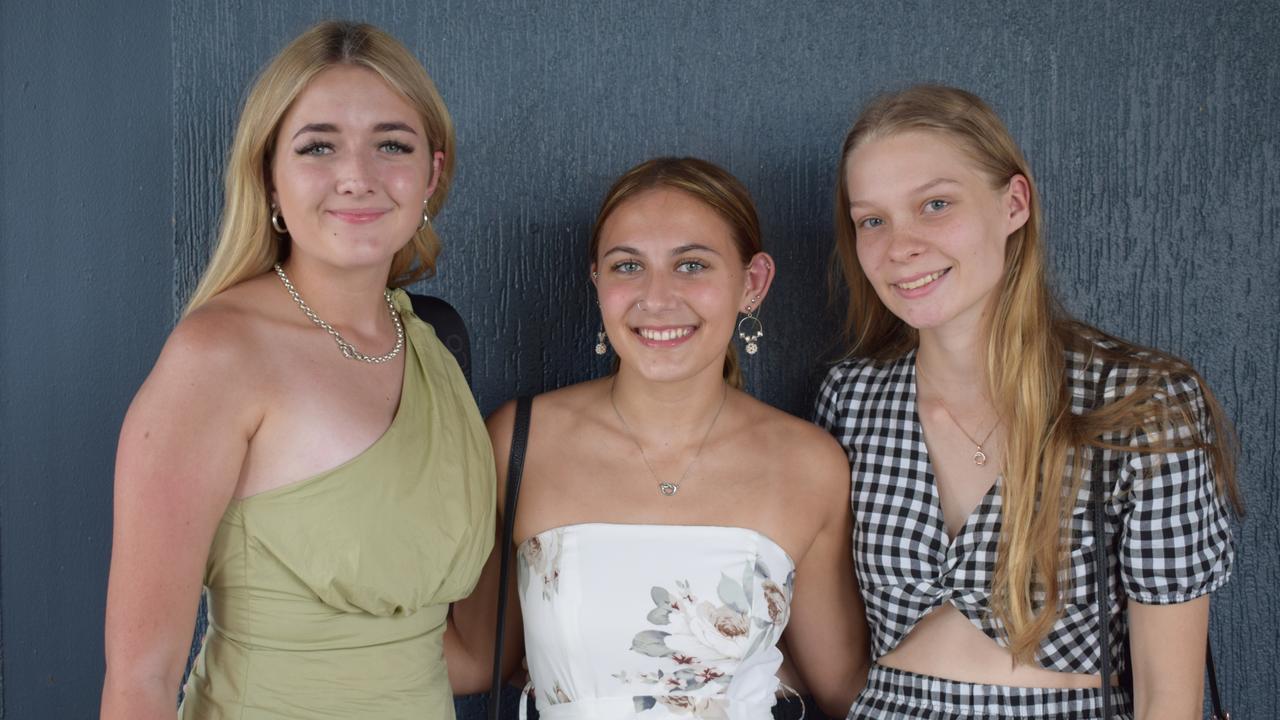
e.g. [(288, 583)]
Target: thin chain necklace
[(349, 351), (666, 488), (979, 457)]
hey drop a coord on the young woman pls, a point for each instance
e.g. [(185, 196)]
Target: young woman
[(978, 418), (669, 526), (305, 448)]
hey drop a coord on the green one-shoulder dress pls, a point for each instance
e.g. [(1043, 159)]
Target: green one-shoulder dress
[(327, 597)]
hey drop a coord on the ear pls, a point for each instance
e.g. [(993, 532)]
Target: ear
[(759, 278), (437, 163), (1017, 199), (595, 277)]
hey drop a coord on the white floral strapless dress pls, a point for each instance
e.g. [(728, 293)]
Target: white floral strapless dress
[(653, 621)]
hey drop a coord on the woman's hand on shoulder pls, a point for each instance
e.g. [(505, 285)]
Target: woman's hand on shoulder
[(179, 458), (827, 634)]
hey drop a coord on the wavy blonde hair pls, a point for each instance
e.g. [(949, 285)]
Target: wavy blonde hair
[(706, 182), (247, 244), (1026, 366)]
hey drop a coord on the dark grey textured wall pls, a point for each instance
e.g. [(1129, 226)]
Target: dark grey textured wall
[(1152, 127), (86, 261)]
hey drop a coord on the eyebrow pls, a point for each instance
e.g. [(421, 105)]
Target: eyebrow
[(934, 183), (692, 247), (331, 128), (920, 189)]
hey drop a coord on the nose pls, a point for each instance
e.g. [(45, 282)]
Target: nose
[(355, 175), (904, 242), (657, 293)]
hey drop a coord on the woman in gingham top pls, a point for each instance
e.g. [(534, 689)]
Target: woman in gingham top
[(971, 410)]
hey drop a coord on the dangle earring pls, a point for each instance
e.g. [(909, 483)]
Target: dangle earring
[(602, 340), (277, 220), (751, 338)]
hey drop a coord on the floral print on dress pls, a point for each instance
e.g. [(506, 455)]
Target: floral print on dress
[(700, 642), (539, 557)]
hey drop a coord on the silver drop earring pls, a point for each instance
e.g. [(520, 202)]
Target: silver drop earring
[(757, 329), (602, 339)]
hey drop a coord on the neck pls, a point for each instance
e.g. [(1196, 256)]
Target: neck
[(664, 412), (954, 359), (352, 298)]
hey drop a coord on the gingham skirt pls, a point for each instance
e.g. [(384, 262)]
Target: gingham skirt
[(898, 695)]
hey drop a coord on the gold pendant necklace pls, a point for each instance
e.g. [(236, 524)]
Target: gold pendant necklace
[(979, 456)]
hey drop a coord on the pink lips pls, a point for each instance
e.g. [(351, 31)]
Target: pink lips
[(358, 217), (923, 289)]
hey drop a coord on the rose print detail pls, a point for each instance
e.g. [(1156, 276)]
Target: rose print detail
[(700, 642), (540, 556)]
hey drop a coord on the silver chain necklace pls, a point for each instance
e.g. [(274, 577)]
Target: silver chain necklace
[(349, 351), (666, 488)]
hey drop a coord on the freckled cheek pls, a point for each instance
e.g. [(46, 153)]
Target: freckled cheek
[(302, 186), (870, 258), (405, 184)]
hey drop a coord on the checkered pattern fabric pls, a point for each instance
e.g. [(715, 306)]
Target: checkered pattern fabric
[(896, 695), (1168, 527)]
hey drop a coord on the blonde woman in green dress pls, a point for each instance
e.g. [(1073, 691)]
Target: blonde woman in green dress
[(305, 448)]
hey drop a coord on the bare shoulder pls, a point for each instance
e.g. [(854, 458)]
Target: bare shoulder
[(214, 356), (552, 412), (815, 460)]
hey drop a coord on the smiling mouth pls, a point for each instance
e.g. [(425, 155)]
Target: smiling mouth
[(358, 216), (665, 334), (922, 280)]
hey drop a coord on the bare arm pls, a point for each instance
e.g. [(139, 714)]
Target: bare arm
[(1167, 644), (181, 449), (469, 637), (827, 634)]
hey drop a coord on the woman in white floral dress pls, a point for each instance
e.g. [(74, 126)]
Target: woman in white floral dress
[(670, 527)]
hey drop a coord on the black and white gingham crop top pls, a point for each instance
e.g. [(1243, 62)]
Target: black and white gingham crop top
[(1167, 525)]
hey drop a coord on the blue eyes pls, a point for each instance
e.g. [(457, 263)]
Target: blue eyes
[(320, 147), (628, 267), (930, 207), (395, 148), (315, 148)]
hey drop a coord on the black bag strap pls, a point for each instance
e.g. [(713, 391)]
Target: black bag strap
[(515, 467), (1097, 499), (1101, 568), (449, 327), (1215, 700)]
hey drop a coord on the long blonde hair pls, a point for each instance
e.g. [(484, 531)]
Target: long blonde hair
[(1026, 365), (706, 182), (247, 244)]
